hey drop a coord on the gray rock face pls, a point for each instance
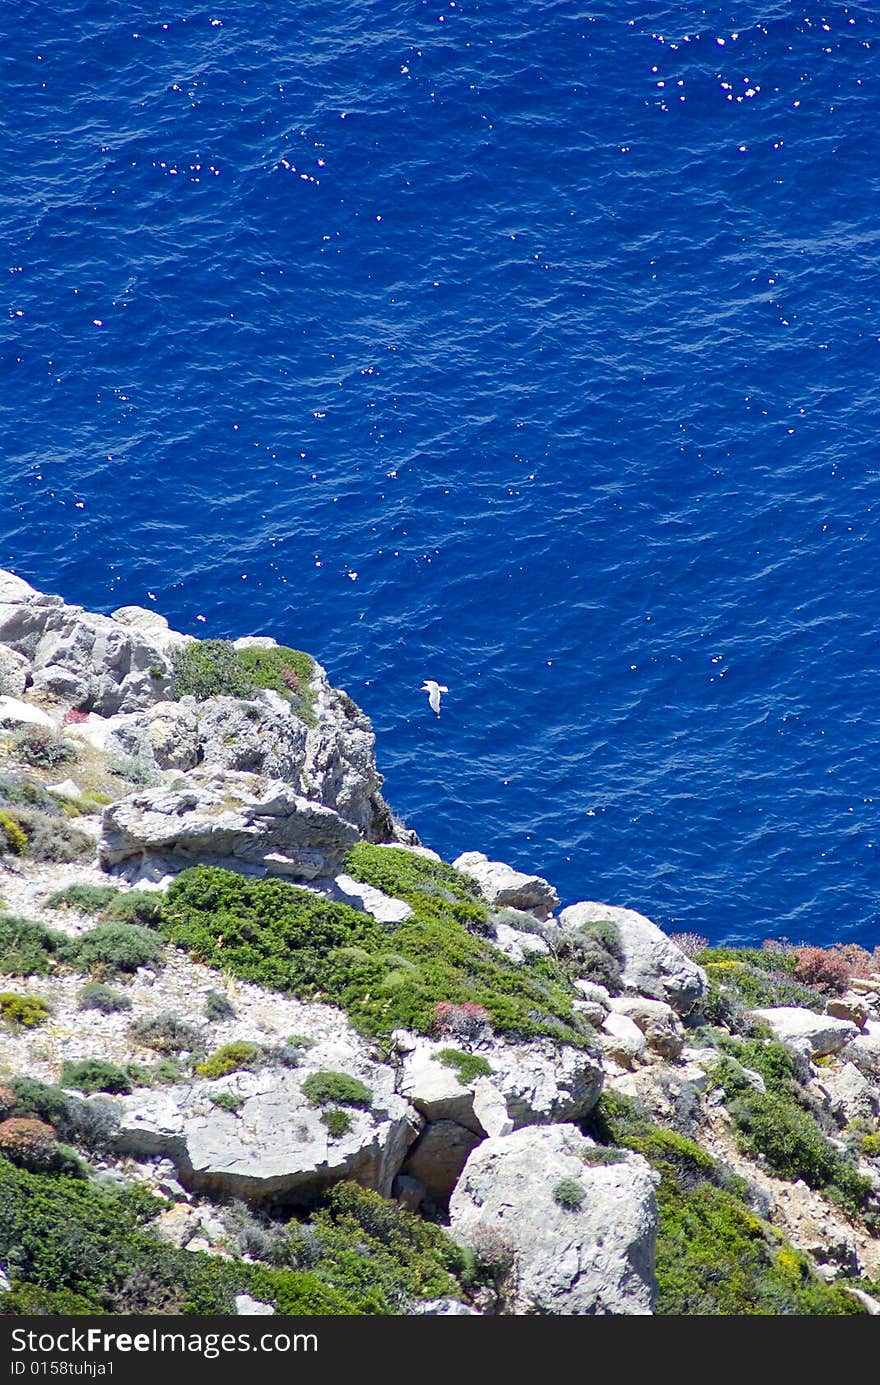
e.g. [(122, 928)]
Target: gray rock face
[(276, 1145), (652, 964), (340, 765), (91, 661), (595, 1258), (851, 1097), (793, 1026), (505, 887), (14, 672), (531, 1083), (249, 735), (227, 818), (658, 1022)]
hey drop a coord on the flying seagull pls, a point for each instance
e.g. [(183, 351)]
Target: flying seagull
[(433, 690)]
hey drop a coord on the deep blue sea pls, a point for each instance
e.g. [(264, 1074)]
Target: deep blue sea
[(532, 348)]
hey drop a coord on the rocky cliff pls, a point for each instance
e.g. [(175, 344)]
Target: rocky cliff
[(270, 1053)]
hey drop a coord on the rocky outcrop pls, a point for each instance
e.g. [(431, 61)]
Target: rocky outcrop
[(796, 1028), (89, 661), (568, 1236), (663, 1030), (228, 818), (530, 1083), (340, 766), (651, 964), (276, 1144), (504, 887)]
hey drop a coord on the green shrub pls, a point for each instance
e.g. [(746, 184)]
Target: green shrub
[(166, 1033), (228, 1101), (467, 1066), (23, 1011), (84, 899), (69, 1244), (322, 1088), (94, 1075), (42, 747), (214, 668), (871, 1146), (13, 837), (115, 947), (89, 1124), (218, 1006), (166, 1072), (97, 996), (795, 1147), (337, 1121), (714, 1255), (32, 1300), (142, 907), (235, 1057), (568, 1193), (49, 837), (384, 977), (753, 978), (27, 948)]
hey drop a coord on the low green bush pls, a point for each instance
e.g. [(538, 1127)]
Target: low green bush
[(115, 947), (467, 1066), (166, 1033), (91, 1125), (384, 977), (139, 772), (97, 996), (324, 1088), (13, 837), (218, 1007), (23, 1011), (235, 1057), (228, 1101), (42, 747), (67, 1242), (714, 1256), (28, 948), (214, 668), (568, 1193), (44, 834), (753, 978), (94, 1075), (84, 899), (337, 1121)]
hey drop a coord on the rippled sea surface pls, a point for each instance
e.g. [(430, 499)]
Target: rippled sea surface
[(534, 349)]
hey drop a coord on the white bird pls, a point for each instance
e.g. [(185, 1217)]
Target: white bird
[(433, 690)]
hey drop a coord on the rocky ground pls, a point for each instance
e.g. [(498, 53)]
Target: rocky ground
[(568, 1111)]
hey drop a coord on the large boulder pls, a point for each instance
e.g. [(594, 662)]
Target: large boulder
[(531, 1083), (90, 661), (651, 963), (254, 734), (276, 1144), (570, 1236), (228, 818), (505, 887), (658, 1022), (798, 1028)]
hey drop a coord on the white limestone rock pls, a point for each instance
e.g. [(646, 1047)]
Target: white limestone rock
[(796, 1027), (14, 672), (228, 818), (652, 965), (503, 886), (92, 661), (596, 1258), (658, 1022), (276, 1144), (531, 1083), (366, 898)]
